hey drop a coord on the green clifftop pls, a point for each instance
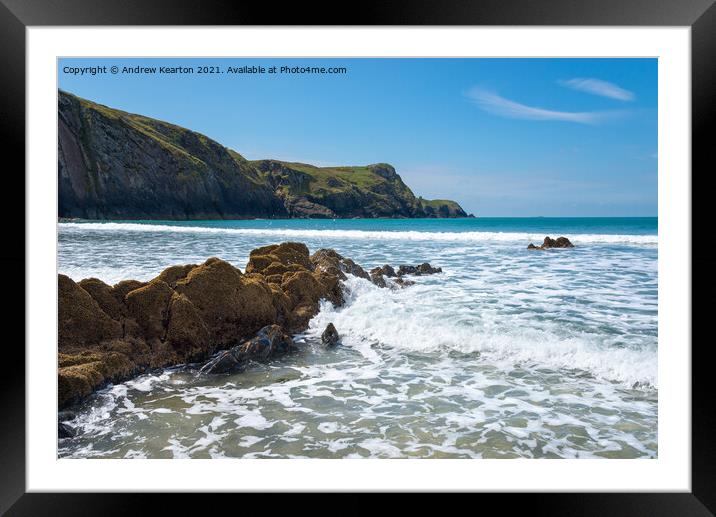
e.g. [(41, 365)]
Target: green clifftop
[(118, 165)]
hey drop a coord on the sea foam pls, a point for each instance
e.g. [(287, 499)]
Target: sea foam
[(387, 235), (413, 320)]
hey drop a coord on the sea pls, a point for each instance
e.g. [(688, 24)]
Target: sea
[(509, 353)]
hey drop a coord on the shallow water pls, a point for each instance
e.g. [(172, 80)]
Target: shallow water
[(508, 353)]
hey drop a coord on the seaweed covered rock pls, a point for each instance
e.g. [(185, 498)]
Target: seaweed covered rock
[(186, 331), (149, 307), (105, 297), (173, 274), (110, 333), (230, 305), (287, 256), (331, 261), (81, 321), (80, 374), (304, 292), (302, 280), (328, 261), (121, 289)]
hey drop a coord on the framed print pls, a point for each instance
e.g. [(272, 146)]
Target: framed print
[(436, 250)]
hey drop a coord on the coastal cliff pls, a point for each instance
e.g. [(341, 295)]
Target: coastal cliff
[(118, 165)]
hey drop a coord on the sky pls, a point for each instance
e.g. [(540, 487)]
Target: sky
[(503, 137)]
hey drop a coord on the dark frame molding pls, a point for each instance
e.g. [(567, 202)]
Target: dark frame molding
[(16, 15)]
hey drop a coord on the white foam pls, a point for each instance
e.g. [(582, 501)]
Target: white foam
[(360, 234), (254, 419), (410, 320)]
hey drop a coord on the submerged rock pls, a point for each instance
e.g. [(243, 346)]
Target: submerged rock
[(402, 282), (426, 269), (423, 269), (65, 431), (268, 343), (407, 270), (559, 242), (65, 416), (376, 276), (387, 270), (330, 337)]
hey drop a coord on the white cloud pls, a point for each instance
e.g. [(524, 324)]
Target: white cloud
[(498, 105), (599, 87)]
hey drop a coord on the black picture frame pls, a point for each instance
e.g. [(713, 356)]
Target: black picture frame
[(17, 15)]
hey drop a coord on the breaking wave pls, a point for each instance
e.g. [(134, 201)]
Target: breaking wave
[(286, 233), (413, 320)]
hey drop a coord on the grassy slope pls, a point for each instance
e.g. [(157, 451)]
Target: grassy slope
[(323, 180), (437, 203), (360, 176)]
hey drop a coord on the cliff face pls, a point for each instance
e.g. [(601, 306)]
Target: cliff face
[(369, 191), (117, 165)]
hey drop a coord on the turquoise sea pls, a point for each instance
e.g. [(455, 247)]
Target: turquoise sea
[(508, 353)]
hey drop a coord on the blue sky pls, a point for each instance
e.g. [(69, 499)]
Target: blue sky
[(503, 137)]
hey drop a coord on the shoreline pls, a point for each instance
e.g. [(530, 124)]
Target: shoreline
[(239, 218)]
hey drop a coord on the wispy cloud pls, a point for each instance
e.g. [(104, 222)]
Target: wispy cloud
[(498, 105), (599, 87)]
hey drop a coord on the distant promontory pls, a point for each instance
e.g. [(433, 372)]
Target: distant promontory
[(118, 165)]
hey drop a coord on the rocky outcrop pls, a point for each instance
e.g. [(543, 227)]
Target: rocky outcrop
[(377, 278), (193, 313), (423, 269), (187, 313), (386, 270), (378, 275), (330, 261), (117, 165), (559, 242)]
